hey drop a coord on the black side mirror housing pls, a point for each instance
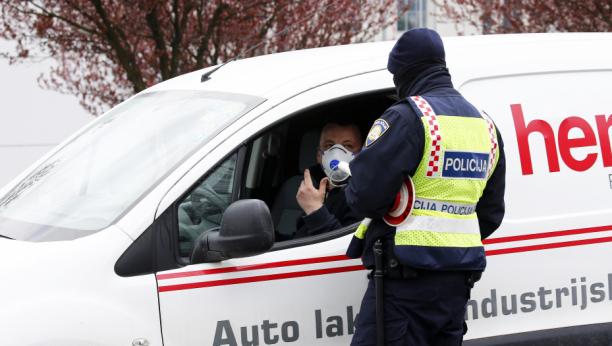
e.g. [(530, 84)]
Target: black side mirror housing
[(246, 230)]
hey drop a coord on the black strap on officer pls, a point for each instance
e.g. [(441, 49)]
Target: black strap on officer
[(380, 298), (393, 268)]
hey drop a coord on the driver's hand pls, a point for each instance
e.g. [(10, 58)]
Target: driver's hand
[(309, 198)]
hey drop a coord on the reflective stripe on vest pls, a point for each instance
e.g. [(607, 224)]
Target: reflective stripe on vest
[(439, 232), (444, 207)]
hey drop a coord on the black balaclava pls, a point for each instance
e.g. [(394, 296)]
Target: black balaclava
[(416, 51), (406, 77)]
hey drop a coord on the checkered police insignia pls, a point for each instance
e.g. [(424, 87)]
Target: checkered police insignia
[(491, 129), (433, 163), (378, 129)]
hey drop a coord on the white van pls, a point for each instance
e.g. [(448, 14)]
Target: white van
[(113, 238)]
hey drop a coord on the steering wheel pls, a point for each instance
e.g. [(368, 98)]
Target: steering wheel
[(211, 196)]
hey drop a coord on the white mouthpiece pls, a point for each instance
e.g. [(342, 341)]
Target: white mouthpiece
[(344, 167)]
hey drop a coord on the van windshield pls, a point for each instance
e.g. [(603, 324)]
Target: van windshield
[(96, 178)]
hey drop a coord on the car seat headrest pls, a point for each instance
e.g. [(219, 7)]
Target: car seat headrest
[(308, 150)]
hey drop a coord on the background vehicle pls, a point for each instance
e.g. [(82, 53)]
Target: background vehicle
[(103, 228)]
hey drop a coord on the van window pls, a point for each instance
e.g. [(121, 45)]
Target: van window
[(96, 178), (203, 208), (298, 141)]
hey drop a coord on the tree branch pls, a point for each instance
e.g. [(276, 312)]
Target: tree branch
[(48, 14), (160, 43), (207, 35), (126, 59), (180, 25)]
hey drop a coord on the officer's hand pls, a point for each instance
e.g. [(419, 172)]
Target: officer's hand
[(309, 198)]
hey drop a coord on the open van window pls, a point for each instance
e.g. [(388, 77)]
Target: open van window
[(97, 177), (298, 141)]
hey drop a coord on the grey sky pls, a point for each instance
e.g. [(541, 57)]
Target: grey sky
[(32, 120)]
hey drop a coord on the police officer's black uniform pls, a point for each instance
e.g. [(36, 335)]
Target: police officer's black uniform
[(422, 307)]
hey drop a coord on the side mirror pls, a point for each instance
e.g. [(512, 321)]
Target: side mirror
[(246, 230)]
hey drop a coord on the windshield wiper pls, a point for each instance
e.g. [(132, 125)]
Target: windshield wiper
[(3, 236)]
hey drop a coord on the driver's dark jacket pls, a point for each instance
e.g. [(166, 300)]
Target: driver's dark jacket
[(380, 169), (333, 215)]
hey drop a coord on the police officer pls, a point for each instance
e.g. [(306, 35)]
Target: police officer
[(454, 154)]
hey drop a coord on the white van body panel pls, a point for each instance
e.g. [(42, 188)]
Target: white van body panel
[(280, 76), (279, 293), (67, 294), (557, 272)]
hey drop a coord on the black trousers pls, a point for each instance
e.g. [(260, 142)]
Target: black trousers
[(427, 310)]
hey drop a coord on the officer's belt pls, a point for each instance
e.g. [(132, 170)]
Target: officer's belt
[(394, 269), (444, 207)]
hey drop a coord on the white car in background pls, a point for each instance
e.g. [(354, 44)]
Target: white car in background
[(113, 238)]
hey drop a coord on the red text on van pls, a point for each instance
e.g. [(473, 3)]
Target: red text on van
[(565, 143)]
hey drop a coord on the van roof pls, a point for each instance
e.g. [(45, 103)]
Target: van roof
[(283, 75)]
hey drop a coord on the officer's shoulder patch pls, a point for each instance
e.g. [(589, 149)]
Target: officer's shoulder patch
[(378, 129)]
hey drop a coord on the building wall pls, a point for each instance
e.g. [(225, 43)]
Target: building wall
[(424, 14)]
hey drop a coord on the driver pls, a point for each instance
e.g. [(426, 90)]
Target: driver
[(324, 204)]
